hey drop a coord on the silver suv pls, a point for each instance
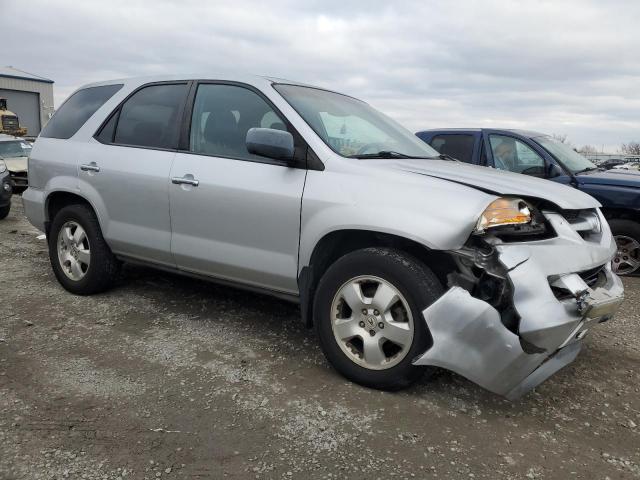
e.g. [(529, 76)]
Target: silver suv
[(401, 258)]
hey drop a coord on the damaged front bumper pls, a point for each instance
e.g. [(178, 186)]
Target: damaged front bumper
[(551, 297)]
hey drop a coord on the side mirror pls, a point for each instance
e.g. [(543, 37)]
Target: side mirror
[(271, 143), (555, 171)]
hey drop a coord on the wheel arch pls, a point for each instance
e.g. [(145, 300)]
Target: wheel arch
[(58, 199), (338, 243), (621, 213)]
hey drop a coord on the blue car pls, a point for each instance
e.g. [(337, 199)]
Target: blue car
[(540, 155)]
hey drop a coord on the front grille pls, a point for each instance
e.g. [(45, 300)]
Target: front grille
[(20, 179), (584, 222), (592, 275), (10, 122), (570, 214)]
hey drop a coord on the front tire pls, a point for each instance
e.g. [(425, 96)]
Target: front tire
[(81, 259), (627, 236), (4, 211), (368, 316)]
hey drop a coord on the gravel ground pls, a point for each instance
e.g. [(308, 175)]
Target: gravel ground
[(168, 377)]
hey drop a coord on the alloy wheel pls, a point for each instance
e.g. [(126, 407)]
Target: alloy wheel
[(627, 259), (74, 253), (372, 322)]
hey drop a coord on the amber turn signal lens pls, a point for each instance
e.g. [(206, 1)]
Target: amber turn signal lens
[(504, 211)]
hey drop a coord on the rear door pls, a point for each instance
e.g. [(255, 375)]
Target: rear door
[(128, 171), (234, 215), (461, 146)]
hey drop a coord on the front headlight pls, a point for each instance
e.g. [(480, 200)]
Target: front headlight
[(3, 166), (504, 212)]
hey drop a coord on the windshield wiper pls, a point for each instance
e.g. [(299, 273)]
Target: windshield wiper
[(382, 154), (584, 170), (444, 156)]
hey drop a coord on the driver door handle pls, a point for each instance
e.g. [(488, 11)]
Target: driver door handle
[(185, 181), (90, 167)]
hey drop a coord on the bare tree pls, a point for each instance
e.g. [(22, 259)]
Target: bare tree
[(631, 148), (562, 138), (587, 150)]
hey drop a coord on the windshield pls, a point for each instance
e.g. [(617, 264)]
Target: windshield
[(352, 128), (14, 149), (567, 155)]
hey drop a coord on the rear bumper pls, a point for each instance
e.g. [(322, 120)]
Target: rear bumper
[(34, 208), (470, 338)]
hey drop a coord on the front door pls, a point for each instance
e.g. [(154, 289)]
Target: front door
[(234, 215), (513, 154)]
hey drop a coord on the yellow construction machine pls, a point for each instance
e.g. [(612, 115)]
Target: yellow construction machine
[(9, 122)]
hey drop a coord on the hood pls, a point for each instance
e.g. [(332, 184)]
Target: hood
[(497, 182), (16, 164), (618, 177)]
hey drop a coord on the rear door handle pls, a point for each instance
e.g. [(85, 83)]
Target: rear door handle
[(185, 181), (91, 167)]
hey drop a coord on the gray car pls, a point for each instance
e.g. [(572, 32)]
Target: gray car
[(399, 258)]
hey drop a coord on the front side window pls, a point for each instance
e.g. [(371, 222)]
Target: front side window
[(14, 149), (516, 156), (76, 110), (352, 128), (222, 115), (151, 117), (456, 145)]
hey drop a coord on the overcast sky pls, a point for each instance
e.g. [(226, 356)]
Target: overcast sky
[(559, 67)]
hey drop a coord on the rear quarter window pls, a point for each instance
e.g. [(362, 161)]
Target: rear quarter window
[(77, 109)]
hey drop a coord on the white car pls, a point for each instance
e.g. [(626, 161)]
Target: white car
[(14, 152)]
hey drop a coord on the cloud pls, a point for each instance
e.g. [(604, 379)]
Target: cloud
[(555, 66)]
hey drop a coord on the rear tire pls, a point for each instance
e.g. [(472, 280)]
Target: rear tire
[(4, 211), (350, 335), (627, 236), (81, 259)]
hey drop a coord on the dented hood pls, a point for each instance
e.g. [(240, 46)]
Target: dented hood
[(496, 181)]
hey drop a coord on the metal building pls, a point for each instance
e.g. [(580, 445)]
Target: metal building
[(29, 96)]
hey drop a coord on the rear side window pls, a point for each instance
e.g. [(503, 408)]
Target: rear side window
[(457, 146), (150, 118), (76, 111)]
